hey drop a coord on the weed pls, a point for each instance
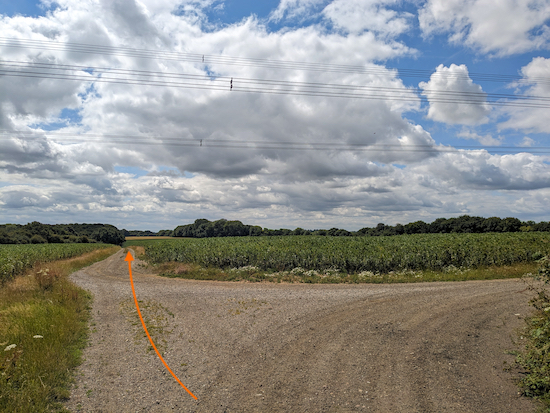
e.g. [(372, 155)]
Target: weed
[(157, 320)]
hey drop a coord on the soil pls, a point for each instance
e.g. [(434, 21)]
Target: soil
[(263, 347)]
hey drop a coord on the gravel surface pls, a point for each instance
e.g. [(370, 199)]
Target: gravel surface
[(262, 347)]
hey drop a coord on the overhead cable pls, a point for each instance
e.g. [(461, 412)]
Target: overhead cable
[(207, 60), (156, 140), (266, 86)]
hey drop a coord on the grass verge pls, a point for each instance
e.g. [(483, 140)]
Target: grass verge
[(335, 276), (534, 358), (43, 329)]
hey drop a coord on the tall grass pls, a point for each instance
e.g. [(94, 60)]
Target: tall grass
[(43, 326)]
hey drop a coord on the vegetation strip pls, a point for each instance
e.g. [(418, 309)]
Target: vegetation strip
[(534, 357), (43, 328), (15, 259), (353, 258)]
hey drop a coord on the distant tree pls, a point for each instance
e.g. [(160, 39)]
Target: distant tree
[(333, 232), (511, 225), (418, 227), (492, 224), (54, 239), (542, 226), (255, 231), (440, 225), (5, 238), (235, 229), (467, 224), (109, 235), (38, 239)]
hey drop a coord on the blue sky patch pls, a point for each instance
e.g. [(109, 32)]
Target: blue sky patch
[(25, 8), (67, 117), (137, 172)]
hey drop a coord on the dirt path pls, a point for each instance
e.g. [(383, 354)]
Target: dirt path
[(239, 347)]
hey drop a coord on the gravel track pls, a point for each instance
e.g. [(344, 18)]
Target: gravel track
[(262, 347)]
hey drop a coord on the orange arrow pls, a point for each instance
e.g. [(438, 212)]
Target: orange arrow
[(129, 258)]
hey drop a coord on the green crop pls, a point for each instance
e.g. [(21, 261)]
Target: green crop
[(15, 259), (355, 254)]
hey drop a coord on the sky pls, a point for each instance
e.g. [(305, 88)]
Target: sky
[(149, 114)]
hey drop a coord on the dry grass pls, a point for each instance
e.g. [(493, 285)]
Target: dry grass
[(139, 250)]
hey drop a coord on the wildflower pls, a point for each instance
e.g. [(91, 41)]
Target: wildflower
[(10, 347), (38, 336)]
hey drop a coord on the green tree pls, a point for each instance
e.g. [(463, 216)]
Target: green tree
[(109, 235)]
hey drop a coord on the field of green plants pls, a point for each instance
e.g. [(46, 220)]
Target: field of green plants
[(382, 255), (15, 259)]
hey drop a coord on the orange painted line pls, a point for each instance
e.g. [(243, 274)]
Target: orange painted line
[(129, 258)]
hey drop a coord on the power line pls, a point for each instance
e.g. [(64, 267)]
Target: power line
[(266, 86), (258, 144), (206, 60)]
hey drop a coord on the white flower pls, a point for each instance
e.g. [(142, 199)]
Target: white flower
[(10, 347), (38, 336)]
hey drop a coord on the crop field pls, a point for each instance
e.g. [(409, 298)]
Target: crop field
[(352, 255), (15, 259), (146, 237)]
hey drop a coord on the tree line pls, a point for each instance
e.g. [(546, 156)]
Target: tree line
[(37, 233), (203, 228)]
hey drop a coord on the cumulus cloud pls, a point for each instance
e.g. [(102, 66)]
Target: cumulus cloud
[(356, 16), (131, 153), (454, 98), (533, 83), (486, 139), (500, 27), (295, 9), (350, 16), (481, 170), (527, 142)]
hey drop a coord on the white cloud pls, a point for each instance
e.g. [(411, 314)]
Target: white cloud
[(351, 16), (356, 16), (454, 98), (487, 140), (481, 170), (500, 27), (534, 83), (295, 9), (383, 178)]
